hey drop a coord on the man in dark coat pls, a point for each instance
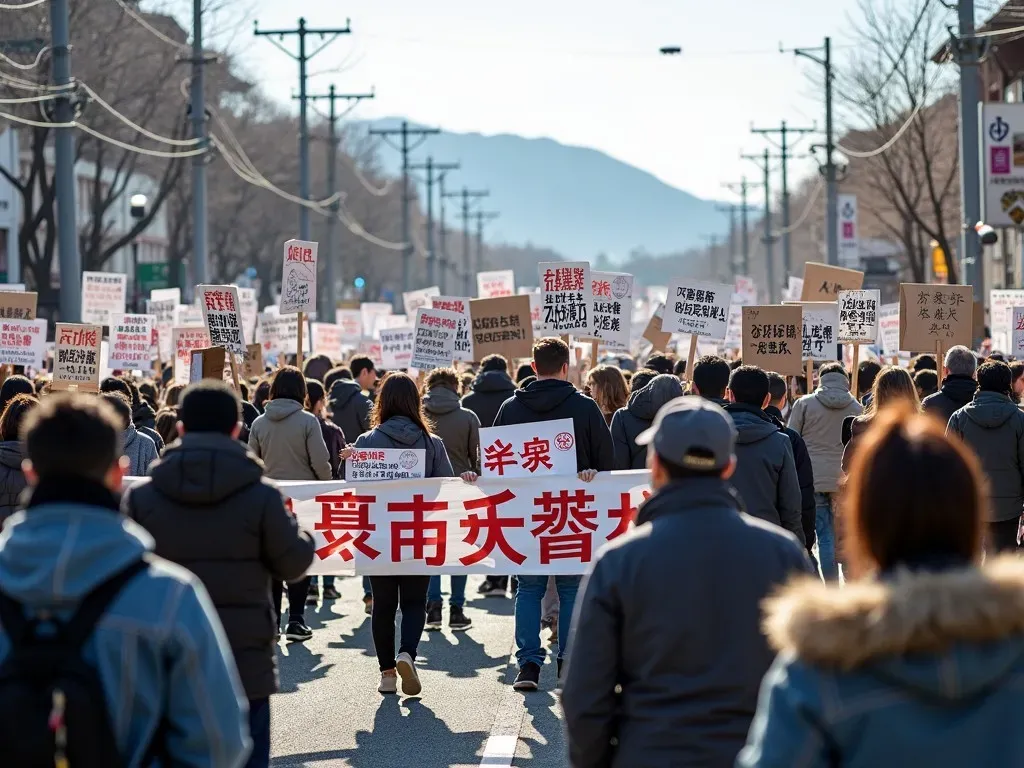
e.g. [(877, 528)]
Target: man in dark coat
[(628, 422), (210, 509), (491, 388), (349, 408), (958, 386), (647, 686)]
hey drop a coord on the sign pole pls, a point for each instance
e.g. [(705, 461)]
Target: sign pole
[(854, 366), (234, 373), (298, 352), (691, 357), (594, 344), (809, 373), (938, 360), (896, 360)]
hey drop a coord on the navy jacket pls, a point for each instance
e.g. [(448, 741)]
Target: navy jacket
[(490, 390)]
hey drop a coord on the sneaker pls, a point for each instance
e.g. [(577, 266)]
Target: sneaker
[(368, 603), (457, 619), (528, 677), (490, 589), (298, 632), (331, 593), (433, 616), (388, 682), (407, 671)]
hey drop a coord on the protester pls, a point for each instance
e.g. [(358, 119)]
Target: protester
[(397, 422), (365, 374), (923, 363), (12, 473), (607, 387), (993, 426), (167, 425), (334, 375), (124, 387), (172, 395), (334, 437), (491, 388), (918, 664), (289, 441), (524, 371), (209, 509), (651, 686), (1017, 376), (316, 367), (679, 370), (777, 389), (553, 397), (137, 447), (818, 418), (143, 415), (13, 386), (641, 379), (637, 415), (765, 473), (349, 407), (158, 678), (459, 430), (711, 378), (958, 385), (661, 363), (147, 390), (261, 395), (867, 370)]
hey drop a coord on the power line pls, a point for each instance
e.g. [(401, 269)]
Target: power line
[(22, 6), (153, 30), (127, 121), (818, 186), (25, 67)]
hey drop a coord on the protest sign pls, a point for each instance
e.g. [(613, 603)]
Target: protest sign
[(249, 306), (162, 304), (185, 340), (396, 347), (535, 315), (613, 308), (567, 300), (492, 285), (1017, 349), (351, 323), (252, 361), (131, 341), (188, 315), (18, 305), (820, 330), (935, 317), (371, 349), (206, 363), (434, 342), (794, 289), (413, 300), (889, 329), (697, 308), (525, 450), (23, 342), (734, 327), (502, 327), (327, 340), (370, 311), (823, 282), (298, 278), (280, 334), (222, 317), (745, 289), (76, 357), (858, 316), (103, 295), (1001, 304), (771, 335), (166, 294), (387, 322), (463, 341), (12, 287), (653, 333), (385, 464)]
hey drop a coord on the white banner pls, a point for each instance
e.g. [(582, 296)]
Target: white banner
[(385, 464), (23, 342), (103, 295), (463, 338), (567, 300), (613, 308), (298, 277), (222, 316), (524, 450), (858, 316), (396, 348), (491, 285), (131, 342)]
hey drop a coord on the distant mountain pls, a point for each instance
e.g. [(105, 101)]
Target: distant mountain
[(579, 202)]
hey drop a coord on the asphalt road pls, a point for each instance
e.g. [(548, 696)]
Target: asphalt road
[(329, 713)]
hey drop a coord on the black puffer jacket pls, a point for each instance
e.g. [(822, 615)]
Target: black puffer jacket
[(804, 474), (12, 479), (349, 408), (490, 390), (637, 416), (956, 392), (144, 419), (210, 509)]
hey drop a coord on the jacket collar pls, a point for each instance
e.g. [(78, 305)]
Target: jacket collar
[(684, 495), (744, 408), (72, 490), (907, 612)]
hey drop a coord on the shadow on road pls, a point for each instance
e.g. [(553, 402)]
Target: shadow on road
[(458, 654), (297, 665)]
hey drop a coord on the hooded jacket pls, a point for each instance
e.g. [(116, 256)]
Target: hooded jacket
[(804, 475), (490, 390), (402, 432), (956, 391), (349, 408), (290, 442), (551, 399), (993, 426), (159, 649), (689, 676), (458, 428), (12, 478), (139, 449), (765, 475), (209, 509), (640, 410), (818, 417), (921, 669), (144, 419)]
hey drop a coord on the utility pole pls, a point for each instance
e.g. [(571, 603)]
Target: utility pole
[(430, 167), (764, 163), (64, 167), (466, 194), (303, 58), (784, 131), (197, 110), (443, 238), (405, 132), (330, 294), (742, 188), (731, 209), (481, 217)]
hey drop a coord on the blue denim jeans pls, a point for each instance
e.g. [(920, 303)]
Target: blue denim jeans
[(458, 596), (528, 600), (825, 528), (259, 730), (367, 590)]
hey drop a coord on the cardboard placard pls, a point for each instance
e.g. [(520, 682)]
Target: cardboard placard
[(659, 339), (252, 361), (697, 308), (501, 326), (823, 283), (76, 357), (19, 305), (567, 301), (613, 308), (858, 316), (222, 316), (298, 277), (772, 338), (210, 361), (935, 314)]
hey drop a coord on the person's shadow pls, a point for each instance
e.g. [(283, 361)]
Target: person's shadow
[(300, 666)]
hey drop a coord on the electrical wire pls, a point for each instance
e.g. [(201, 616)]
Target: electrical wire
[(153, 30), (148, 134), (997, 32), (815, 193), (30, 99), (366, 184), (27, 85), (22, 6), (25, 67), (879, 150), (36, 123), (139, 150)]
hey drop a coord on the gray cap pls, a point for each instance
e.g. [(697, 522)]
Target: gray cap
[(692, 432)]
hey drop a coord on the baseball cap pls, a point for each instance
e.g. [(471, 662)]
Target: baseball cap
[(692, 432)]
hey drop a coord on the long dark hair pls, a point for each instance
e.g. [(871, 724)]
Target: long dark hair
[(397, 395), (289, 384)]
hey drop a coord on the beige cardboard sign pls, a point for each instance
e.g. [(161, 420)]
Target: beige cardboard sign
[(207, 363), (501, 326), (772, 338), (823, 283), (252, 361), (935, 314), (20, 305), (76, 357), (659, 339)]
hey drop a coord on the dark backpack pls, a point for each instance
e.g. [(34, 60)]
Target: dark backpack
[(53, 711)]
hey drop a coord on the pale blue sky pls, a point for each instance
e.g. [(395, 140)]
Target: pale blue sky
[(583, 72)]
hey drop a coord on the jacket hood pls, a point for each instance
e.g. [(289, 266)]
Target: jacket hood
[(441, 400), (55, 553), (990, 409), (493, 381), (647, 401), (684, 495), (205, 469), (752, 424), (129, 436), (545, 396), (959, 388), (10, 454), (143, 412), (402, 430), (948, 634), (279, 410), (834, 391), (341, 392)]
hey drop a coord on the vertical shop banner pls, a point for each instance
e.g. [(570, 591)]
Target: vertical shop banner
[(849, 233), (1002, 130)]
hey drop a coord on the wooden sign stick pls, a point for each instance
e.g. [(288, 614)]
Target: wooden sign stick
[(938, 360), (809, 373), (298, 352), (854, 366), (593, 353), (691, 357), (234, 373)]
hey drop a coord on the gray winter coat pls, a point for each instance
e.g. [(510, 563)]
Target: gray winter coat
[(140, 450), (12, 478), (993, 426), (637, 416), (818, 418), (290, 442), (458, 428), (766, 471), (401, 432), (349, 408)]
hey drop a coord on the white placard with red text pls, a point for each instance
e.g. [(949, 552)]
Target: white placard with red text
[(23, 342), (528, 450), (491, 285), (351, 323), (131, 341), (385, 464), (327, 340), (184, 341), (434, 344), (413, 300), (298, 277), (463, 338), (103, 295)]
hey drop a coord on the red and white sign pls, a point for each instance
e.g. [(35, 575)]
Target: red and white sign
[(528, 450), (185, 340), (567, 299), (103, 295), (463, 338), (351, 323), (613, 308), (23, 342), (385, 464), (222, 316), (298, 277), (396, 347), (327, 340), (131, 341), (491, 285), (76, 357)]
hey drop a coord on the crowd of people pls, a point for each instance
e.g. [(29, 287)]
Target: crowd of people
[(824, 546)]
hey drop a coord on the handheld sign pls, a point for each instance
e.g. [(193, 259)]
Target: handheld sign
[(434, 342), (526, 450), (252, 361), (460, 306), (771, 338), (858, 317), (697, 308), (396, 347), (103, 295), (1017, 348), (23, 342), (613, 308), (327, 339), (18, 305), (1001, 304), (653, 332), (223, 317), (820, 330), (493, 285), (413, 300), (298, 277), (249, 306), (131, 341), (369, 311), (185, 341), (889, 329), (935, 316), (385, 464), (351, 323), (823, 282), (207, 363), (567, 299), (76, 357), (502, 326)]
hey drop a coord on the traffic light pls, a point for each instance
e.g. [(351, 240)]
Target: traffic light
[(359, 283)]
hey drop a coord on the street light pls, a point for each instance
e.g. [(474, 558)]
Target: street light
[(138, 212)]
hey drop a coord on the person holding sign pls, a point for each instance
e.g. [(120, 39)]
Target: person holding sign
[(958, 385)]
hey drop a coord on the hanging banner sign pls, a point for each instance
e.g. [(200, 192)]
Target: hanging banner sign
[(1002, 128), (849, 234)]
